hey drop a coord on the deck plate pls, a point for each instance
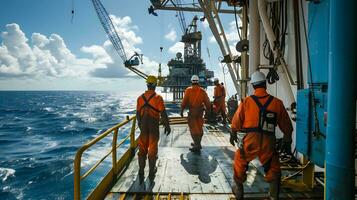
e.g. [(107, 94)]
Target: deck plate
[(199, 175)]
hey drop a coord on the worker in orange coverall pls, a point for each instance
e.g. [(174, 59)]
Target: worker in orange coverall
[(196, 99), (256, 117), (219, 102), (148, 110)]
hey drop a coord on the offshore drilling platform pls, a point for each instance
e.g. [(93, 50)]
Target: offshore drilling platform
[(190, 63)]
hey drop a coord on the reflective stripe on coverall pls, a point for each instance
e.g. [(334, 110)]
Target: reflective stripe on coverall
[(195, 98), (149, 135), (219, 103), (255, 143)]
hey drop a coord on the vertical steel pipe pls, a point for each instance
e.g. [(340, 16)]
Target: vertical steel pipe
[(254, 39), (340, 139), (299, 75), (244, 54)]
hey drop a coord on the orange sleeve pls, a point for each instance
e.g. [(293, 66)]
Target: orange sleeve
[(224, 91), (186, 96), (215, 91), (160, 104), (238, 118), (138, 104), (207, 101), (284, 121)]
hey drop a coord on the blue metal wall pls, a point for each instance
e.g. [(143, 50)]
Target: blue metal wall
[(310, 139), (318, 37)]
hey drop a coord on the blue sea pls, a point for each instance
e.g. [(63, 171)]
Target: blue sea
[(40, 132)]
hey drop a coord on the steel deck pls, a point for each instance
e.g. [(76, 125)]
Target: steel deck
[(185, 175)]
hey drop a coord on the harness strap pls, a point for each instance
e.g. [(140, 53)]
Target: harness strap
[(261, 108), (146, 103), (265, 106)]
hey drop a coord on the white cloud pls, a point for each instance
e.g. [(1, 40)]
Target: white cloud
[(205, 24), (172, 35), (231, 33), (177, 47), (40, 56), (48, 56)]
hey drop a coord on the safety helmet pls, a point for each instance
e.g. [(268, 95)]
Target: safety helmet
[(257, 78), (151, 79), (195, 79), (215, 80)]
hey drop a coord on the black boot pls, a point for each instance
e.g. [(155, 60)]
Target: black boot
[(224, 119), (238, 190), (274, 189), (152, 169), (193, 144), (142, 162)]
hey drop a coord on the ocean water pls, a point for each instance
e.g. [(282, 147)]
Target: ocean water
[(40, 133)]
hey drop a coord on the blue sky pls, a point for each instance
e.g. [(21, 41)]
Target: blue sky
[(61, 55)]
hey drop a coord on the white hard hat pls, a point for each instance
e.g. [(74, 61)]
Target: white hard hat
[(195, 79), (257, 77), (216, 80)]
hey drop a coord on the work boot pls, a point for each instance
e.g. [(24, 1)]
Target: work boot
[(152, 169), (193, 144), (274, 188), (142, 162), (224, 120), (195, 149), (238, 191)]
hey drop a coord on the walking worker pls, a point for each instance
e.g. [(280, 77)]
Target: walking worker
[(257, 116), (219, 102), (150, 106), (196, 99)]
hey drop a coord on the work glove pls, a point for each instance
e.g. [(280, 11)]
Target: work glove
[(286, 145), (233, 139), (167, 130), (181, 113)]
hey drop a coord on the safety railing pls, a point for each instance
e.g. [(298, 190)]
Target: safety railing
[(117, 165)]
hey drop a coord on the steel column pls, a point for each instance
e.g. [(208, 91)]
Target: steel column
[(340, 139), (254, 39)]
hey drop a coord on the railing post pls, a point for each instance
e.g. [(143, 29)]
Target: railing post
[(114, 149), (132, 134), (77, 176)]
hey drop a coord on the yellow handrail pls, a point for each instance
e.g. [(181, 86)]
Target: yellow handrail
[(114, 170)]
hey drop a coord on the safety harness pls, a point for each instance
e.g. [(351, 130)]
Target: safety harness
[(267, 123), (147, 104), (267, 119)]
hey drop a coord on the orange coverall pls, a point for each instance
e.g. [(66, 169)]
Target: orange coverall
[(255, 143), (195, 98), (149, 135), (219, 99)]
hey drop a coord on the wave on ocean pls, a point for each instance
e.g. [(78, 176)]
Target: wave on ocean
[(40, 133)]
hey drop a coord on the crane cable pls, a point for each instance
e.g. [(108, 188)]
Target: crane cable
[(72, 12), (220, 58), (236, 20)]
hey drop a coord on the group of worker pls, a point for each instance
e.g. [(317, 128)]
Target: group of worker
[(256, 118)]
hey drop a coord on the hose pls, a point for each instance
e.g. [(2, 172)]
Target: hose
[(272, 76)]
